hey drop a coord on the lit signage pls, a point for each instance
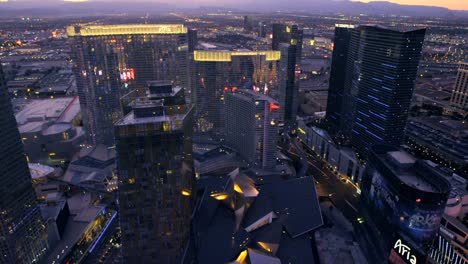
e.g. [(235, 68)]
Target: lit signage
[(344, 26), (127, 75), (273, 106), (226, 56), (446, 232), (404, 253), (107, 30)]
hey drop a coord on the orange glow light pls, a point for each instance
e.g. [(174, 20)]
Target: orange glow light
[(273, 106)]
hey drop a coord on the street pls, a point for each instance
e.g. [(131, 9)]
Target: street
[(340, 192)]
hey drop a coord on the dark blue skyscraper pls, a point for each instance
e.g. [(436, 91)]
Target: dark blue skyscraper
[(336, 90), (382, 71), (288, 40), (371, 84), (23, 238)]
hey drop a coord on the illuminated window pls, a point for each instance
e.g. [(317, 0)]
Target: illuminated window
[(165, 126)]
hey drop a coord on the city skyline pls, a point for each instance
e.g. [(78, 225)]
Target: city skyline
[(184, 134), (450, 4)]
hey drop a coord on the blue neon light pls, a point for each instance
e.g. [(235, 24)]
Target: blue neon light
[(389, 65), (375, 79), (355, 131), (357, 123), (373, 97), (362, 101), (24, 218), (374, 135), (377, 126), (102, 233), (389, 77), (380, 103), (364, 114), (386, 88), (379, 115)]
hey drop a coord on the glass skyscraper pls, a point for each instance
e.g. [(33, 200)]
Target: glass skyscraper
[(383, 65), (252, 126), (156, 178), (110, 60), (336, 91), (288, 40), (216, 72), (371, 85), (23, 238)]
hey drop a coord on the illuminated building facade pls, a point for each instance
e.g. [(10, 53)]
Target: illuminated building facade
[(460, 93), (403, 201), (156, 181), (219, 71), (23, 238), (252, 126), (110, 60), (450, 244), (380, 74), (288, 40)]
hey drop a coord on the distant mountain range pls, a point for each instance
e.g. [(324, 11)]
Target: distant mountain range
[(57, 7)]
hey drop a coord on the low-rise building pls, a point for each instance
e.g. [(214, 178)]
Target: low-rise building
[(49, 130), (451, 243), (42, 179), (93, 169), (342, 160), (441, 140), (75, 225), (241, 219), (402, 203)]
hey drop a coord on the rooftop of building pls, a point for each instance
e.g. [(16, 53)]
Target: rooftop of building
[(38, 170), (458, 184), (97, 157), (62, 109), (237, 218), (171, 117), (256, 96), (223, 53), (449, 137), (82, 215), (399, 28), (125, 29), (56, 128), (444, 125), (91, 167), (162, 89), (413, 172)]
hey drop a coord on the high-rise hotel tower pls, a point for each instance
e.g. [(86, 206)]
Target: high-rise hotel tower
[(156, 176), (110, 60), (370, 104), (23, 238)]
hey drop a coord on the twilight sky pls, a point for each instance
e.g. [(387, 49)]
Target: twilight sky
[(451, 4)]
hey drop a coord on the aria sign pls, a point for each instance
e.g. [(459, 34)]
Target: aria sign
[(404, 251)]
